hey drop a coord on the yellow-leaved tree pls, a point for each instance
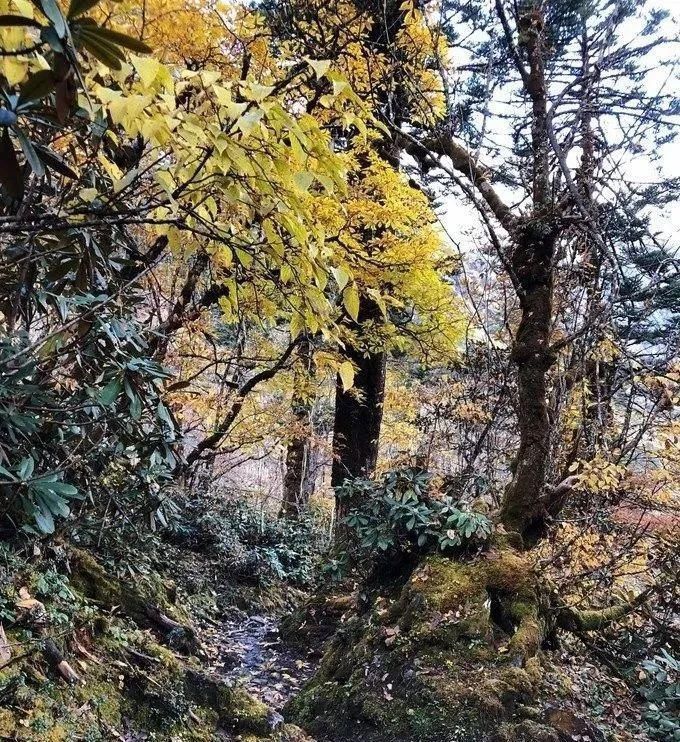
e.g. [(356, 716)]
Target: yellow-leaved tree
[(124, 169)]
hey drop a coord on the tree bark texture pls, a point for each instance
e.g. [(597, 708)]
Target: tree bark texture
[(359, 411), (296, 489)]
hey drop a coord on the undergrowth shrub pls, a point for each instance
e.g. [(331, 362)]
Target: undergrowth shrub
[(401, 514), (661, 689), (253, 545)]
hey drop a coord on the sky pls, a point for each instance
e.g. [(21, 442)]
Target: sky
[(460, 222)]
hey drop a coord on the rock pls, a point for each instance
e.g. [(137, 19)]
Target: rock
[(236, 708), (230, 659), (570, 726), (274, 720)]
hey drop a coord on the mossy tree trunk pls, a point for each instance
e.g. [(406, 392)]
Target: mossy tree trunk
[(359, 411), (523, 509), (449, 656), (531, 263)]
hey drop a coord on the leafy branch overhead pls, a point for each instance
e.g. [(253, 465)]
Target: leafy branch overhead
[(46, 95), (386, 291)]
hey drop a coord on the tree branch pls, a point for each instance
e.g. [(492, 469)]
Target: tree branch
[(465, 163), (215, 438)]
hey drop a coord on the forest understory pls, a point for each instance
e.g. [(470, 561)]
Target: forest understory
[(200, 635), (339, 370)]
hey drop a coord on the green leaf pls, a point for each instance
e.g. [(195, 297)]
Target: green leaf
[(116, 38), (44, 521), (26, 468), (54, 162), (106, 53), (8, 474), (135, 407), (78, 7), (51, 503), (163, 414), (52, 11), (8, 118), (18, 20), (110, 392), (68, 490), (50, 36), (39, 85), (29, 152)]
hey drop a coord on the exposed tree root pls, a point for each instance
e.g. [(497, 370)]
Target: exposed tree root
[(578, 620), (58, 661), (454, 655)]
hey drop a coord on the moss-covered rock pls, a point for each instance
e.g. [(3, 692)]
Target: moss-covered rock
[(235, 708), (453, 656)]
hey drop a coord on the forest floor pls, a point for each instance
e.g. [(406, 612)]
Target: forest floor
[(244, 645), (133, 678), (249, 650)]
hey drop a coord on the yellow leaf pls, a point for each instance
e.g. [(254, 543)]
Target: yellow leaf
[(223, 95), (24, 7), (111, 168), (15, 70), (244, 258), (346, 372), (350, 298), (147, 69), (165, 180), (341, 276), (249, 121), (297, 324), (88, 194), (320, 66), (303, 180), (257, 92)]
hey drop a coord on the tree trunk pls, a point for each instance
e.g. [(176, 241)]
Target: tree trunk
[(295, 489), (523, 509), (294, 499), (358, 412)]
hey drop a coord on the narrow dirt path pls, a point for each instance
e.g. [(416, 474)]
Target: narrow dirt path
[(249, 650)]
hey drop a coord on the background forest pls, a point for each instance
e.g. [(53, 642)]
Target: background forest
[(339, 371)]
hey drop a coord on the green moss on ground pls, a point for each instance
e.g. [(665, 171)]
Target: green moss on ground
[(129, 680), (452, 657)]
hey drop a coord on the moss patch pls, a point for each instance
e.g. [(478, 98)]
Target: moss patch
[(129, 682), (453, 656)]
